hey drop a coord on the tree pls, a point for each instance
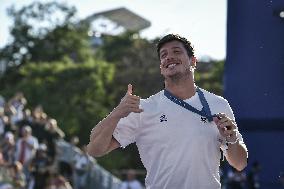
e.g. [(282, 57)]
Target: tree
[(45, 32), (212, 80), (136, 62), (74, 94)]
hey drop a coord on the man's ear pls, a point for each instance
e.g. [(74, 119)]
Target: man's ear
[(193, 61)]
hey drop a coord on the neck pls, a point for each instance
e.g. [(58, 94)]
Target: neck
[(182, 89)]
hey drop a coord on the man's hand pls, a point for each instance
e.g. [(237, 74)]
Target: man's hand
[(129, 103), (236, 152), (226, 126)]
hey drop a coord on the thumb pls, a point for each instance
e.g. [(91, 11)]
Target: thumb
[(129, 89), (216, 120)]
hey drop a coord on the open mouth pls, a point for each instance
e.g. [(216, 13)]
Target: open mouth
[(171, 65)]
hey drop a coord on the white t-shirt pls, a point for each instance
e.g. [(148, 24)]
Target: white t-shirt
[(176, 147), (131, 185), (2, 126), (2, 101), (81, 161), (29, 152)]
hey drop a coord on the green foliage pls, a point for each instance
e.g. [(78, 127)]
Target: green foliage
[(74, 94), (136, 62), (67, 40), (45, 32), (213, 79)]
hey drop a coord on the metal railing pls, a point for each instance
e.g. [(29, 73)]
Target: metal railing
[(97, 177)]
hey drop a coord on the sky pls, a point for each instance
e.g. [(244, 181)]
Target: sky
[(203, 22)]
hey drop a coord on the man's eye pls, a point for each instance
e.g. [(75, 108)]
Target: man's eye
[(177, 52)]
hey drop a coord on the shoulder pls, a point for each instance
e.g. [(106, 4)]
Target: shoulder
[(34, 139), (218, 104), (213, 98), (137, 183), (152, 101)]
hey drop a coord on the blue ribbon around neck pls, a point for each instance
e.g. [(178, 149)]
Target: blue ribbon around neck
[(205, 111)]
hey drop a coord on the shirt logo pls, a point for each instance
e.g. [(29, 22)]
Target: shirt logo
[(203, 119), (163, 118)]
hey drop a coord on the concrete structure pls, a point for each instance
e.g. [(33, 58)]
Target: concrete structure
[(254, 81)]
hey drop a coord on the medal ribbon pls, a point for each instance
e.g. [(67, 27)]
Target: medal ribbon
[(205, 111)]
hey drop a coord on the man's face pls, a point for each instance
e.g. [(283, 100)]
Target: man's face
[(174, 59), (25, 133)]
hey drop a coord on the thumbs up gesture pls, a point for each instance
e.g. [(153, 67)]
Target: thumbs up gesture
[(129, 103), (129, 89)]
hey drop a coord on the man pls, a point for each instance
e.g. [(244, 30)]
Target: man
[(26, 147), (131, 182), (82, 166), (178, 131)]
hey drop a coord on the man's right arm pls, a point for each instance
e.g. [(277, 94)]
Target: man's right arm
[(101, 139)]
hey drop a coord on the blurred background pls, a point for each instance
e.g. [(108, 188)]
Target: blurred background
[(64, 65)]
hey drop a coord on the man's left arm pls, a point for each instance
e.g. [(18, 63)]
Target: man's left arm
[(237, 152)]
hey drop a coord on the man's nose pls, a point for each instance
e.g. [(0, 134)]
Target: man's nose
[(169, 57), (171, 54)]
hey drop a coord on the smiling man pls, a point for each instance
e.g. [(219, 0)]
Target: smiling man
[(179, 131)]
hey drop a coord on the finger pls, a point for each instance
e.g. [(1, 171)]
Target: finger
[(218, 117), (134, 97), (223, 120), (224, 123), (221, 115), (136, 109), (129, 89), (133, 105), (216, 120), (132, 102), (139, 110), (221, 128), (226, 126), (128, 100), (221, 131), (229, 124), (234, 133), (228, 132)]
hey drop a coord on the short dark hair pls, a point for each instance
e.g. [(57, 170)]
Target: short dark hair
[(175, 37)]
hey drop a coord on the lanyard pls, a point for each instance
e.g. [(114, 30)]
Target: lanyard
[(205, 112)]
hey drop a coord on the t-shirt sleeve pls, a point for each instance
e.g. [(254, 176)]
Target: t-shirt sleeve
[(127, 128)]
